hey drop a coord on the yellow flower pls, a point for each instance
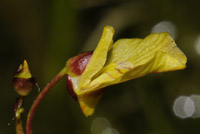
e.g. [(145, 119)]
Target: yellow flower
[(113, 63)]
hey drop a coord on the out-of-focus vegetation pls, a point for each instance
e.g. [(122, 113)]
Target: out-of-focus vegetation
[(47, 33)]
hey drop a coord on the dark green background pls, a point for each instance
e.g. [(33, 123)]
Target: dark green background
[(47, 33)]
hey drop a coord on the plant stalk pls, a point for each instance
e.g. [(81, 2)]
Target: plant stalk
[(39, 99), (19, 126), (18, 113)]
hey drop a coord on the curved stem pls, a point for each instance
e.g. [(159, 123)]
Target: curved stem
[(39, 99)]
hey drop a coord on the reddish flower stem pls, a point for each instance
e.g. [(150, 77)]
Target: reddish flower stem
[(19, 126), (39, 99)]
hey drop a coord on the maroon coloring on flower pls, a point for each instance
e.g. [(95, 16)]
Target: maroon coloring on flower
[(22, 85), (78, 63), (19, 102), (16, 104)]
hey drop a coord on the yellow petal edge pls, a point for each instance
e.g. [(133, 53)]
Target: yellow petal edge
[(124, 60), (24, 71)]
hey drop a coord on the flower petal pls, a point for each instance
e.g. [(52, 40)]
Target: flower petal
[(133, 58), (124, 60), (156, 53), (98, 58), (23, 71), (89, 101)]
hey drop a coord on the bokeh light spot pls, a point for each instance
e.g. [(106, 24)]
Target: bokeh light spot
[(197, 45), (110, 131), (187, 106), (181, 106), (196, 101), (99, 124), (165, 26)]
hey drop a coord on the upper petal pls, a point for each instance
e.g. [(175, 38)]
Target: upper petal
[(132, 58), (98, 58)]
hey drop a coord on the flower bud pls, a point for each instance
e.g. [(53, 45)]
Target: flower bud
[(23, 81), (76, 66)]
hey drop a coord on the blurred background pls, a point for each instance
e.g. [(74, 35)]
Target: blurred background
[(47, 33)]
